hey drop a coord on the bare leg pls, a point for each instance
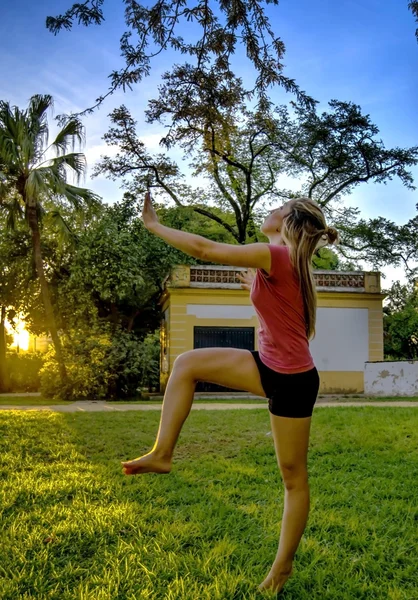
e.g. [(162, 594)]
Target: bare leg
[(291, 439), (177, 403), (225, 366)]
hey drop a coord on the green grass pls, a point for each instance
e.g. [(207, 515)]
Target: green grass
[(37, 401), (372, 399), (343, 399), (197, 401), (29, 401), (73, 527)]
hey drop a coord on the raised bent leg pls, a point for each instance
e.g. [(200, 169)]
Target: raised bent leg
[(291, 441), (229, 367)]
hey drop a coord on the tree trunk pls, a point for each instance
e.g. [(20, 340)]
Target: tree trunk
[(4, 374), (50, 317), (252, 230), (132, 319)]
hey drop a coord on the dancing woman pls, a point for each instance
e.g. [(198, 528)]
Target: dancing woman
[(283, 295)]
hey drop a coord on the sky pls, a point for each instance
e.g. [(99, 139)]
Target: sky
[(363, 51)]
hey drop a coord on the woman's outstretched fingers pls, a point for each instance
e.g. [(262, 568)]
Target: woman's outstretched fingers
[(246, 279)]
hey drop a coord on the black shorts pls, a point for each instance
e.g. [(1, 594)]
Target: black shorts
[(289, 395)]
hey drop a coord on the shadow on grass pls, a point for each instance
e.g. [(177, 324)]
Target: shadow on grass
[(81, 522)]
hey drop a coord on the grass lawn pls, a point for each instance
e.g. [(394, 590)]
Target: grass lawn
[(197, 401), (73, 527), (360, 399), (29, 401), (38, 401), (256, 401)]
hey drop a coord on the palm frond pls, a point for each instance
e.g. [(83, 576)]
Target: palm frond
[(75, 162), (37, 123), (78, 196), (14, 212), (52, 181), (72, 132), (37, 183), (64, 230), (61, 166), (39, 104), (10, 136), (5, 188)]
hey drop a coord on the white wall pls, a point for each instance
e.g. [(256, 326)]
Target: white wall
[(221, 311), (342, 334), (342, 339), (391, 378)]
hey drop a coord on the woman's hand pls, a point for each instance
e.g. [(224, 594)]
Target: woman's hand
[(149, 216), (246, 279)]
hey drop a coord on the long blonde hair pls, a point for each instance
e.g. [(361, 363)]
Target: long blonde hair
[(304, 229)]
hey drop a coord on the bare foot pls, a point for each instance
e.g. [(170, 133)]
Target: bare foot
[(149, 463), (276, 579)]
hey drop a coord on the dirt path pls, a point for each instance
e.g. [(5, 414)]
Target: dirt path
[(97, 406)]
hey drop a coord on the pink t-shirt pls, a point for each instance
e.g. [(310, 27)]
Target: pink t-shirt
[(282, 340)]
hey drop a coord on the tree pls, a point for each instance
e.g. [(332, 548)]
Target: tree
[(118, 269), (107, 288), (221, 27), (243, 153), (28, 175), (239, 164), (380, 242), (401, 322), (15, 274), (413, 6)]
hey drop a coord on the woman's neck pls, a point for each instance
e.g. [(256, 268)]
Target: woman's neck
[(276, 239)]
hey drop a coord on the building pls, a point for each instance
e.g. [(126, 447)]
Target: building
[(204, 306)]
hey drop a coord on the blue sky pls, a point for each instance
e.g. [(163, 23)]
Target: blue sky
[(363, 51)]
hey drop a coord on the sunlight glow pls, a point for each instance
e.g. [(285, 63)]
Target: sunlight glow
[(21, 337)]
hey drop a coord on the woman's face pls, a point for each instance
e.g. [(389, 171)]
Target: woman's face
[(274, 221)]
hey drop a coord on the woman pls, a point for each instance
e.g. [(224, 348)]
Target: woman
[(283, 294)]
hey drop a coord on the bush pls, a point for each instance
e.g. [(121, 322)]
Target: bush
[(24, 371), (133, 365), (101, 366)]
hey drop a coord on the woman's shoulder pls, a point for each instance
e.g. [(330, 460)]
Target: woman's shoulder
[(279, 250), (280, 260)]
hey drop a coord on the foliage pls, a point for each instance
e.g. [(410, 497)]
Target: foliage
[(118, 268), (103, 365), (326, 259), (380, 241), (401, 322), (16, 273), (218, 27), (28, 170), (110, 270), (413, 5), (242, 155), (84, 355), (31, 170), (242, 152), (16, 268), (133, 365), (185, 218), (24, 370)]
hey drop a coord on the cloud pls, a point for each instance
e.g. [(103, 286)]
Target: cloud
[(96, 151), (93, 153)]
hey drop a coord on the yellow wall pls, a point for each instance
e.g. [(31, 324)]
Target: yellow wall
[(39, 344), (181, 329)]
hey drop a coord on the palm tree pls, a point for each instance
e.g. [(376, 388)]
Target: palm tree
[(29, 175)]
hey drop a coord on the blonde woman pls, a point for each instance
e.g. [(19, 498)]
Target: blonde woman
[(283, 295)]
